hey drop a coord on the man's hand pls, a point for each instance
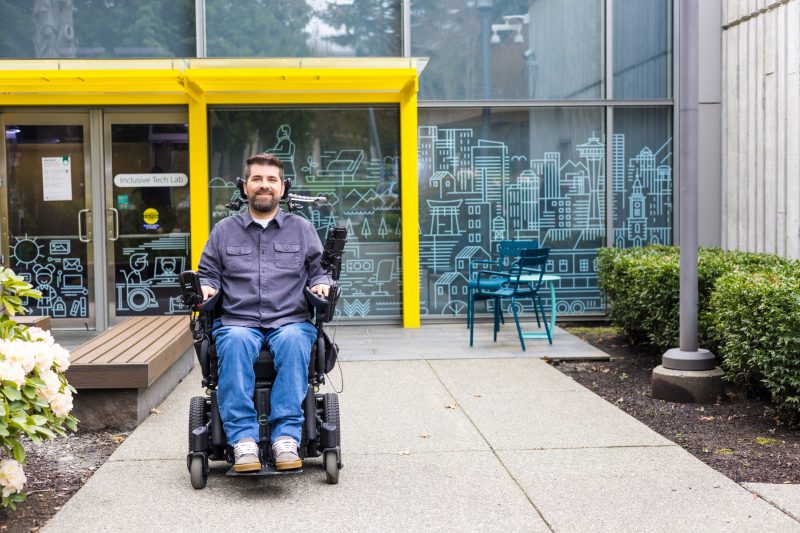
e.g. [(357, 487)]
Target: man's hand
[(321, 289), (208, 292)]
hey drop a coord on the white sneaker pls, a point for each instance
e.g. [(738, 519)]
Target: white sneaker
[(245, 455), (285, 451)]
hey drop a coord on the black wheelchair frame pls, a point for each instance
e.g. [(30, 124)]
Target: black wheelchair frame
[(320, 433)]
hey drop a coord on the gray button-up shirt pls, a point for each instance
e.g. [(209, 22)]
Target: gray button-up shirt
[(262, 271)]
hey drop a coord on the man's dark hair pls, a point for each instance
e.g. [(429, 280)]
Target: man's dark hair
[(262, 159)]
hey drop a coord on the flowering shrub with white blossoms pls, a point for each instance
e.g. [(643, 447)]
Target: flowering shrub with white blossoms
[(35, 398)]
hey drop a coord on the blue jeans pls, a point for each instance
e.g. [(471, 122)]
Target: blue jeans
[(237, 352)]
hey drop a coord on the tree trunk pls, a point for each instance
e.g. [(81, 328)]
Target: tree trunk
[(53, 32)]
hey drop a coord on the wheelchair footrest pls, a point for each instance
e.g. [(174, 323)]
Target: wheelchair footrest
[(266, 470)]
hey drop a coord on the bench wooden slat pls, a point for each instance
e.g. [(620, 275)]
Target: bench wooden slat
[(170, 354), (143, 353), (108, 376), (107, 340), (151, 345), (144, 335)]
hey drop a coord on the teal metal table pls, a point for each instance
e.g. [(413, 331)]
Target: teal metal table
[(550, 280)]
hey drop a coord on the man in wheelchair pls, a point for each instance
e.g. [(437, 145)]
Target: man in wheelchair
[(262, 260)]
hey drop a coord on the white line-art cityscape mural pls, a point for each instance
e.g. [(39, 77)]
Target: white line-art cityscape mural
[(472, 201)]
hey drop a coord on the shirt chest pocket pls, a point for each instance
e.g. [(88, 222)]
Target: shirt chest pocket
[(287, 255), (240, 256)]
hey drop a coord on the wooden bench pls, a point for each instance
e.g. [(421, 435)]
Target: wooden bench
[(38, 321), (130, 355), (122, 373)]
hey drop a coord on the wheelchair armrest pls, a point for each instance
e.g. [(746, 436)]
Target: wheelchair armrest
[(318, 302), (209, 305), (323, 307)]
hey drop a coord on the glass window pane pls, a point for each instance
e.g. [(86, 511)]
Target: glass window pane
[(348, 154), (47, 191), (297, 28), (522, 174), (149, 254), (509, 49), (88, 28), (642, 176), (642, 49)]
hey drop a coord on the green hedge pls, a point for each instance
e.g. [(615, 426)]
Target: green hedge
[(642, 296), (749, 310), (755, 318)]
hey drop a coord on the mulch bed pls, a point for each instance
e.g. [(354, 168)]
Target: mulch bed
[(56, 470), (741, 437)]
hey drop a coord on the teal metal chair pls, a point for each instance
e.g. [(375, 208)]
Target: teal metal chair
[(507, 252), (531, 262)]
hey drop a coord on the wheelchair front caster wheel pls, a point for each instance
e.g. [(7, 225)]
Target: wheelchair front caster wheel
[(198, 473), (331, 462)]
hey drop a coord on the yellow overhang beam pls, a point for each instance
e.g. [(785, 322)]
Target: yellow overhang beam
[(70, 87), (287, 80)]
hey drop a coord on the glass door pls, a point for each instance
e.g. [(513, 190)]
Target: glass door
[(147, 212), (47, 224)]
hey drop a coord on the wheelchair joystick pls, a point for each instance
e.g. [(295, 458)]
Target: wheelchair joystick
[(333, 250)]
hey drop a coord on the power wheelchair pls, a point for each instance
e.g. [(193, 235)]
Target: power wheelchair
[(320, 433)]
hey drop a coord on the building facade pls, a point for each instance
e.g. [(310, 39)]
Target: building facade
[(761, 125), (435, 129)]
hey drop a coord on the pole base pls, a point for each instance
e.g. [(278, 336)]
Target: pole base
[(677, 359), (682, 386)]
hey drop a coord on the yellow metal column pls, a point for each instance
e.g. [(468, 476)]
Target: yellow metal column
[(198, 173), (409, 205)]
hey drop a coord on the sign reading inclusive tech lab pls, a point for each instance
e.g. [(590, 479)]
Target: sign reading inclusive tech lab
[(151, 179)]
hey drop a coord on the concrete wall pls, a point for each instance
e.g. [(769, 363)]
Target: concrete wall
[(761, 126), (709, 124)]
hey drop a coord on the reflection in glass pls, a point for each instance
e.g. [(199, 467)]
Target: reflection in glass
[(540, 175), (88, 28), (303, 28), (642, 176), (509, 49), (348, 154), (642, 49), (150, 196)]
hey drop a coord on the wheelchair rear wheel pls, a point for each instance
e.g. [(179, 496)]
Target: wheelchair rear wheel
[(198, 465), (197, 415), (330, 458)]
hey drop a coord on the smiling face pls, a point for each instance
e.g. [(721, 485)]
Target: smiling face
[(264, 188)]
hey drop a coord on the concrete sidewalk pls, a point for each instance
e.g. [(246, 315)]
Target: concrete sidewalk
[(434, 441)]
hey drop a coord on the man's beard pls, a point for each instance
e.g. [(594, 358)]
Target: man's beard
[(263, 203)]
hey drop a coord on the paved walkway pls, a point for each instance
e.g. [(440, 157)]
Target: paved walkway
[(437, 437)]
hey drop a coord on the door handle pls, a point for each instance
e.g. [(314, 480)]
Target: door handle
[(81, 236), (113, 236)]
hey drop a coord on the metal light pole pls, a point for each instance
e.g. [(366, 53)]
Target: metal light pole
[(484, 8), (688, 373)]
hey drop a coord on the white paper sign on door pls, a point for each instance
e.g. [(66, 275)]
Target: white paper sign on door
[(57, 178)]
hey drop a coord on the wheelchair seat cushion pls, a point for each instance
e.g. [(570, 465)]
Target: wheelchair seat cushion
[(264, 366)]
